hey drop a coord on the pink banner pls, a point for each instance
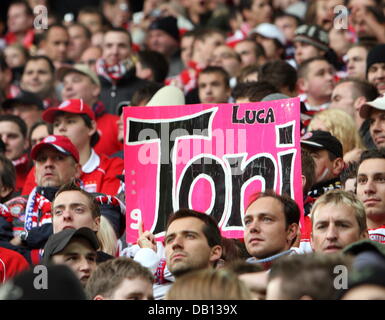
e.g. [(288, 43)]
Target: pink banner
[(209, 158)]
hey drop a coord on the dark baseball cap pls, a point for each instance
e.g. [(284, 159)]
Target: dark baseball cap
[(322, 140), (24, 98), (58, 241)]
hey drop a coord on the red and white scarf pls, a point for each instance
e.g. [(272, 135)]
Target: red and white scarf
[(38, 211), (115, 72), (377, 234)]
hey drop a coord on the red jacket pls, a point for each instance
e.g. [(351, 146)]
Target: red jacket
[(108, 143), (99, 175), (11, 263)]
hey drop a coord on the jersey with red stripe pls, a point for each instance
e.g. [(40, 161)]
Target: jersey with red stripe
[(100, 174), (377, 234)]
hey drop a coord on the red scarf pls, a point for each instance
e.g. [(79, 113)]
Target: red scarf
[(115, 72)]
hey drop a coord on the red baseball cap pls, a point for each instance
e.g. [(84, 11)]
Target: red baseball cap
[(76, 106), (60, 143)]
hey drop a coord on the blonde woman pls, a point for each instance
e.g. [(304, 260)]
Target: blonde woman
[(342, 126), (107, 237), (112, 224)]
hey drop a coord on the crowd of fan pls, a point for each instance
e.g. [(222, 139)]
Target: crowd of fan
[(64, 83)]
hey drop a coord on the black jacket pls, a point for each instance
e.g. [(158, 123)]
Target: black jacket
[(111, 94)]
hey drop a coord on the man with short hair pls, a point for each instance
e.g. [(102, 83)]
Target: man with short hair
[(375, 67), (79, 82), (163, 37), (316, 81), (355, 60), (213, 85), (251, 52), (79, 40), (271, 224), (90, 56), (287, 23), (338, 219), (326, 151), (116, 69), (371, 191), (39, 78), (192, 242), (349, 95), (206, 40), (55, 44), (73, 208), (75, 248), (226, 57), (27, 106), (13, 132), (120, 279)]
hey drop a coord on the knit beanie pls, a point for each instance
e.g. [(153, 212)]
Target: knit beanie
[(314, 35), (375, 55), (168, 25)]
